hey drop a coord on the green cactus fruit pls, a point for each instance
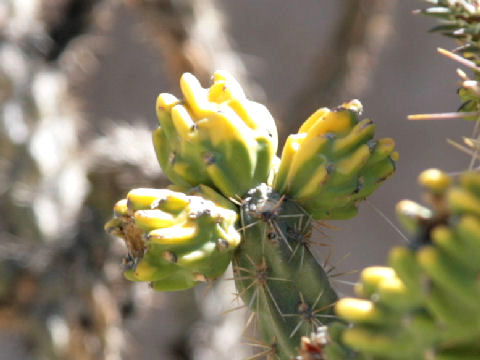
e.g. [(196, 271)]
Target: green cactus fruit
[(215, 136), (175, 240), (333, 162), (425, 306), (276, 275)]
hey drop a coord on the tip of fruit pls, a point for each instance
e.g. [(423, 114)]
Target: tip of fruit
[(434, 180), (354, 105)]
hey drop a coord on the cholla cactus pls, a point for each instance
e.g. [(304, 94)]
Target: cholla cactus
[(412, 309), (217, 137)]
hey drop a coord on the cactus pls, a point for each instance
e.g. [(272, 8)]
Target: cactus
[(412, 309), (216, 137), (217, 141)]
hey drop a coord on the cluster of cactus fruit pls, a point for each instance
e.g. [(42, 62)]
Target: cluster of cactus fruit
[(233, 200), (175, 239)]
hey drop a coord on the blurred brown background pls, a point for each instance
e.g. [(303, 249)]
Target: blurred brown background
[(78, 81)]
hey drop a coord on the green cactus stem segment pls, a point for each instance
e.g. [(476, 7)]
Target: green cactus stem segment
[(276, 274)]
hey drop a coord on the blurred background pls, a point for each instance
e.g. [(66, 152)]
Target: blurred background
[(78, 82)]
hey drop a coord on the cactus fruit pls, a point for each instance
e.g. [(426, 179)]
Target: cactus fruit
[(425, 306), (215, 136), (175, 240), (333, 162)]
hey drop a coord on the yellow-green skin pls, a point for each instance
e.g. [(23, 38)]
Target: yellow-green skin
[(215, 136), (426, 305), (333, 163), (175, 240)]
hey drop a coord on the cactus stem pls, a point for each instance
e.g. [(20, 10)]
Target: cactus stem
[(280, 241)]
